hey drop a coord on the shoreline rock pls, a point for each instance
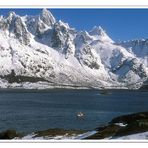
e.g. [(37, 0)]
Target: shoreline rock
[(10, 134), (122, 126)]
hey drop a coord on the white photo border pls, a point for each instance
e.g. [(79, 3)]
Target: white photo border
[(63, 4)]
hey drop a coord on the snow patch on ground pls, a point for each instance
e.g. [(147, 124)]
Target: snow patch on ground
[(139, 136), (61, 137), (121, 124)]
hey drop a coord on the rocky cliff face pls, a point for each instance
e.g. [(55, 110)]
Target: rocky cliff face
[(41, 52)]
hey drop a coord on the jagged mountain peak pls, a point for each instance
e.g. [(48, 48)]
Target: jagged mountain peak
[(47, 17), (17, 28), (61, 23), (97, 30), (138, 46), (11, 14), (99, 33), (85, 36), (85, 33)]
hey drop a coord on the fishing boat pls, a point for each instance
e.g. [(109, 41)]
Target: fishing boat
[(80, 114)]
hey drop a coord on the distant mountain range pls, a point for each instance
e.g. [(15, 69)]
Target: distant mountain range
[(41, 52)]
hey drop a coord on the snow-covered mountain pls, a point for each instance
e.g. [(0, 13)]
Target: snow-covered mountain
[(139, 48), (42, 52)]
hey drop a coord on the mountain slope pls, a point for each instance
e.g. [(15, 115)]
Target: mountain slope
[(41, 52)]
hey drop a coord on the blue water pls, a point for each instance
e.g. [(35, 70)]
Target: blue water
[(28, 111)]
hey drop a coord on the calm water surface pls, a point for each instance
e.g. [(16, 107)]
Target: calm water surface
[(28, 111)]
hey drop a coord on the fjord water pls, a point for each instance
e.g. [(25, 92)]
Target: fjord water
[(28, 111)]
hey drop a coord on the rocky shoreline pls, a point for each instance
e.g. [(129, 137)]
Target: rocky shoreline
[(119, 126), (123, 126)]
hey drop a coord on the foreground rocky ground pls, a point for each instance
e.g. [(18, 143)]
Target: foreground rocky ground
[(120, 126)]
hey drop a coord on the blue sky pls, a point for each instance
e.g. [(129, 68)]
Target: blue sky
[(123, 24)]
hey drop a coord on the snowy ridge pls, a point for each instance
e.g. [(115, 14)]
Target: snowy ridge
[(41, 50)]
